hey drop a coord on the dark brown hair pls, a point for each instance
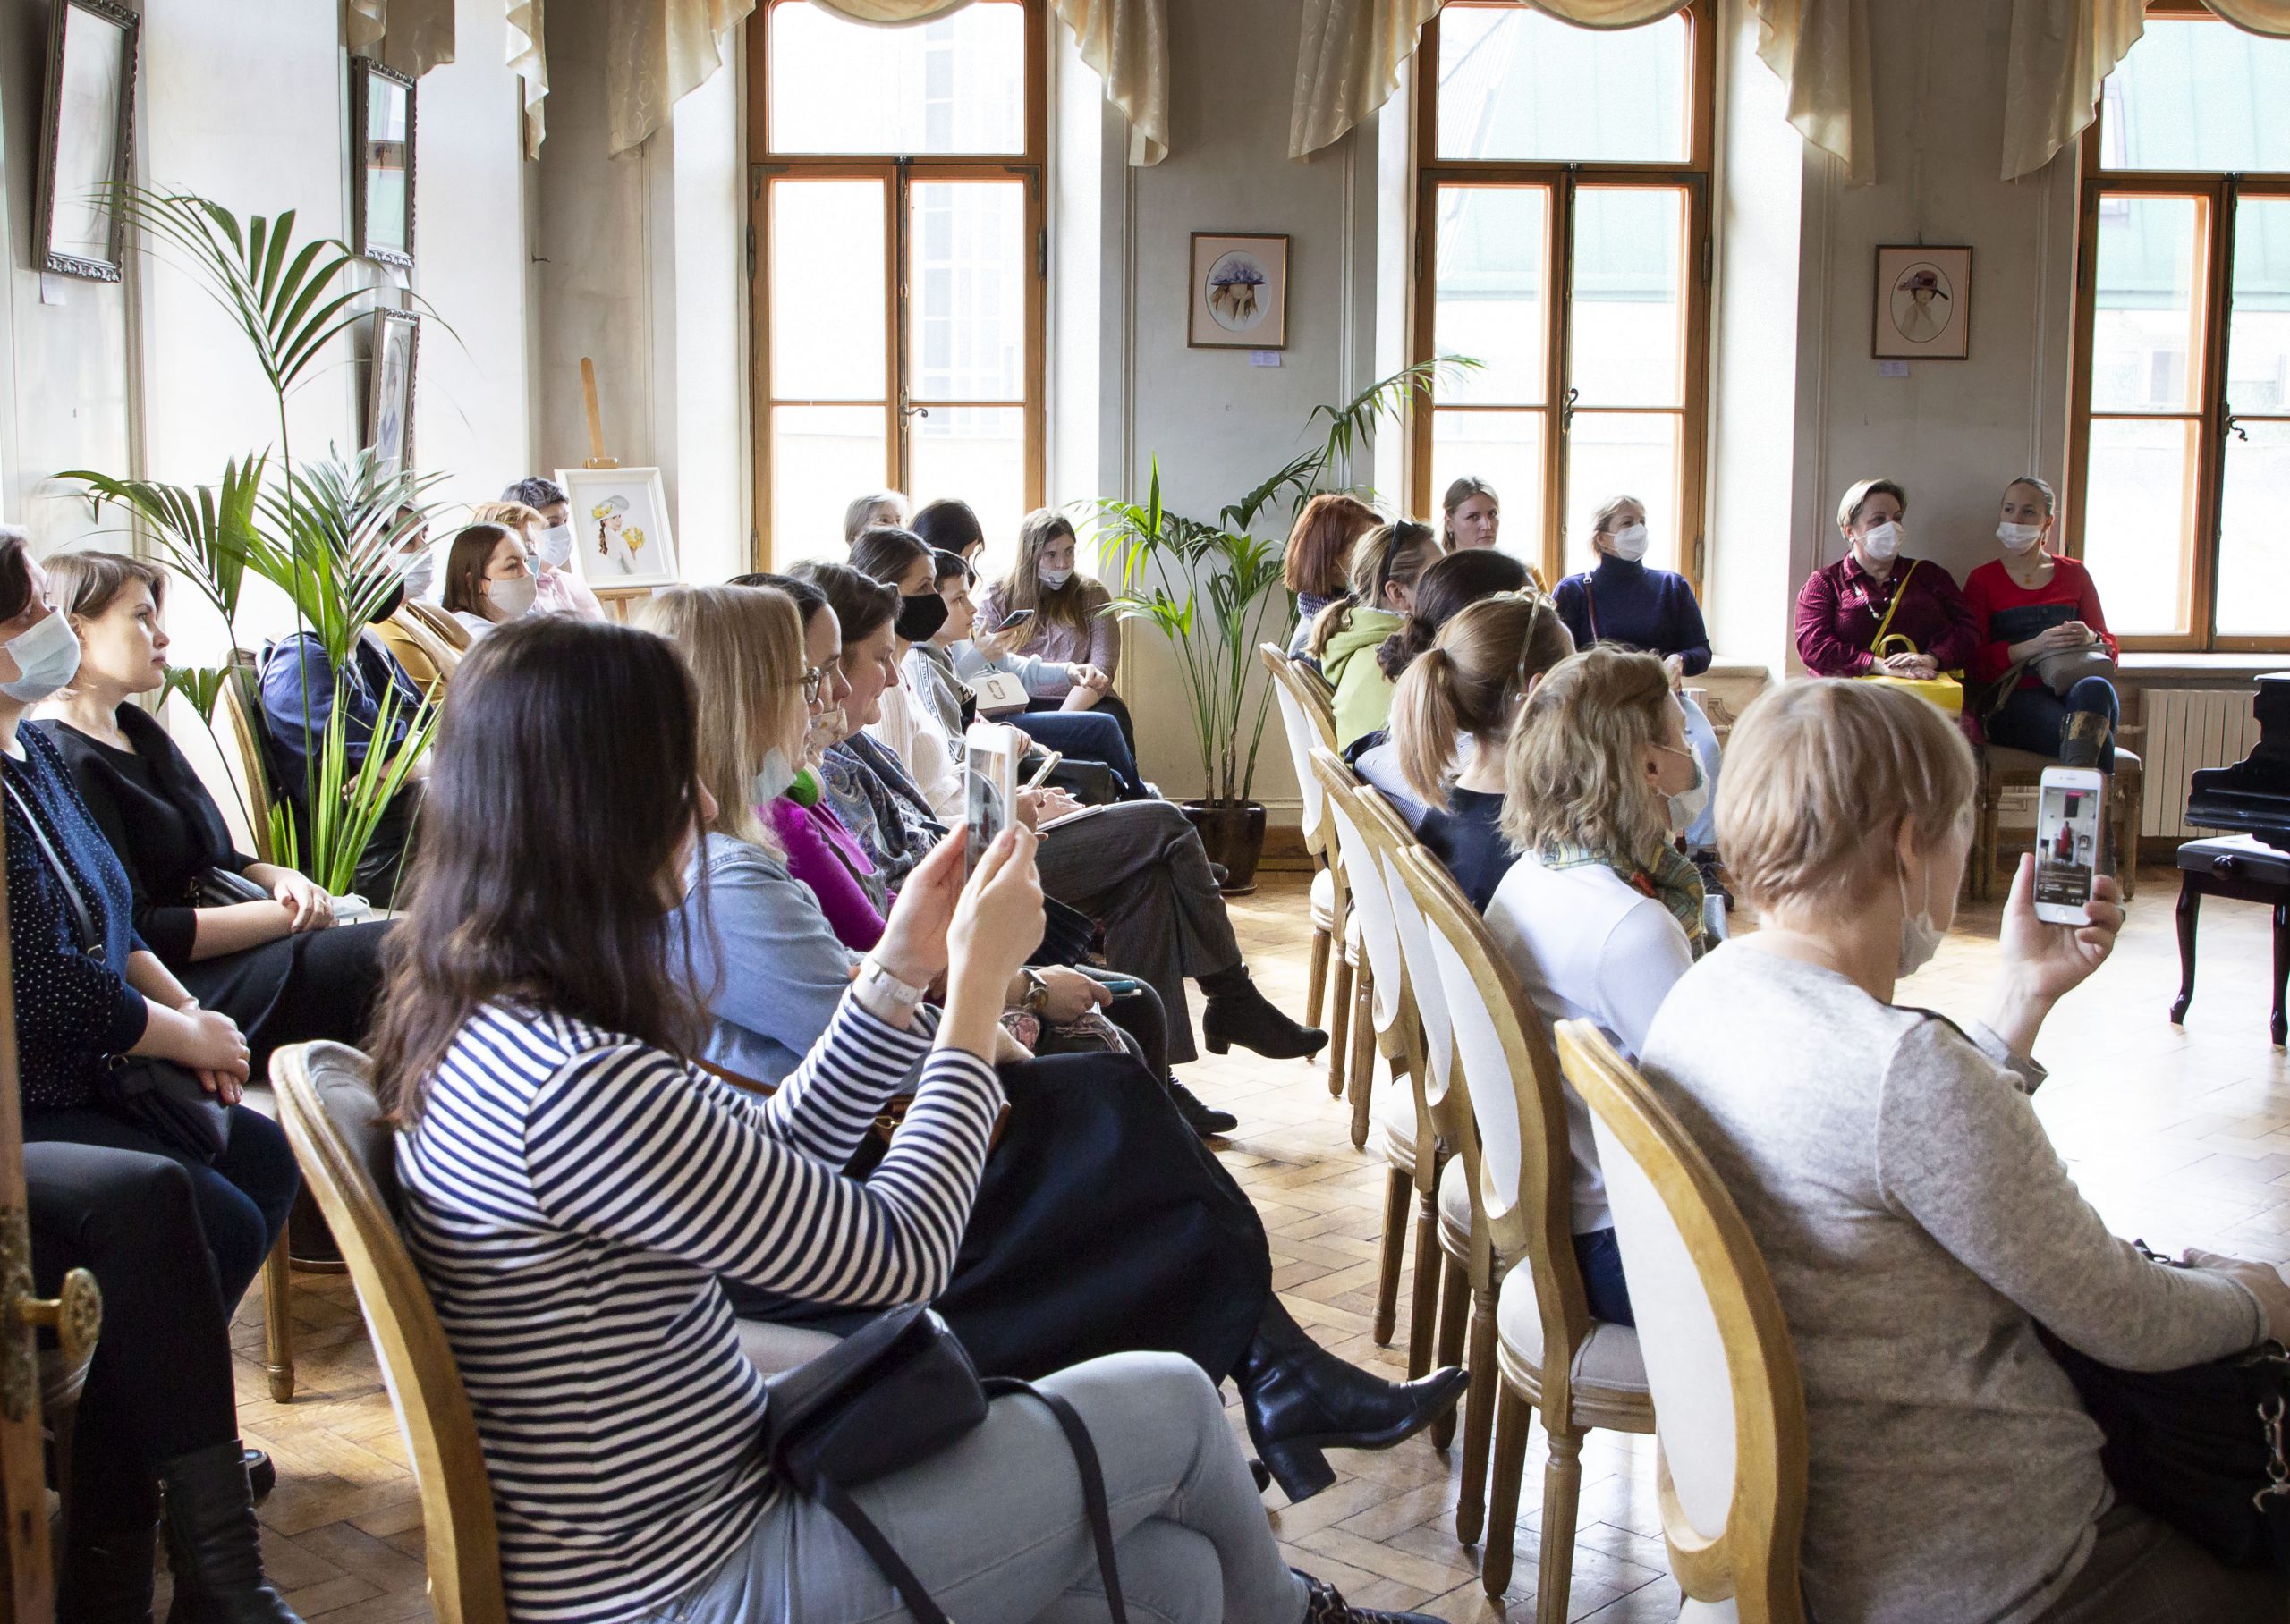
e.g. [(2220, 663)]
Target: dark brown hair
[(1445, 588), (887, 553), (947, 525), (465, 563), (85, 584), (1319, 545), (860, 601), (567, 747), (15, 571)]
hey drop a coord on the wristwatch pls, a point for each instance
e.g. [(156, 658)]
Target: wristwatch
[(1037, 999), (876, 984)]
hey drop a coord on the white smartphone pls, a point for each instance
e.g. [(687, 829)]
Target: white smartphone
[(991, 750), (2070, 805)]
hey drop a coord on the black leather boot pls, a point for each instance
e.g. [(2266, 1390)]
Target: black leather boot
[(1204, 1119), (1300, 1399), (1236, 1013), (2085, 738), (214, 1549), (106, 1574), (1325, 1605)]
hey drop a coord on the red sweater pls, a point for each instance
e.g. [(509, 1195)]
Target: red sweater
[(2007, 612), (1840, 608)]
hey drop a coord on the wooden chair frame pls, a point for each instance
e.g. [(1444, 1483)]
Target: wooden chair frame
[(1753, 1560), (254, 768), (2125, 794), (1309, 693), (1381, 1016), (1531, 1225), (463, 1543), (438, 623)]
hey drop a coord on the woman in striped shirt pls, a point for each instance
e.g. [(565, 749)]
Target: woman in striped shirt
[(573, 1187)]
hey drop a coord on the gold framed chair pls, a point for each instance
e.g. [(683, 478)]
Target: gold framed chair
[(1307, 722), (252, 779), (428, 658), (1530, 1326), (438, 623), (1381, 1016), (334, 1122), (1723, 1374)]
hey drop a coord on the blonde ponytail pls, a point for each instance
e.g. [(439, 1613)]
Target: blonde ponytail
[(1470, 683), (1426, 716)]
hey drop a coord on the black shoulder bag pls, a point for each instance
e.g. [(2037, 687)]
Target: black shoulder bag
[(893, 1393), (158, 1097)]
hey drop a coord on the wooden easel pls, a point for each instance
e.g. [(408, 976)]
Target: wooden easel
[(619, 602)]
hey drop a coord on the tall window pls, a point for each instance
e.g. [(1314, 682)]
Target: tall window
[(897, 250), (1562, 241), (2181, 450)]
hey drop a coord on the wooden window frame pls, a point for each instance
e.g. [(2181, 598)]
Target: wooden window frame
[(1560, 180), (2221, 191), (899, 172)]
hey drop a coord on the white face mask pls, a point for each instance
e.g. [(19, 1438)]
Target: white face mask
[(772, 779), (1882, 541), (1689, 804), (421, 571), (1629, 542), (511, 598), (1054, 579), (2019, 537), (826, 729), (554, 546), (1919, 938), (47, 656)]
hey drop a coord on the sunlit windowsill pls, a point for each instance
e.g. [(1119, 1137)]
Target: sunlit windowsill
[(2167, 662)]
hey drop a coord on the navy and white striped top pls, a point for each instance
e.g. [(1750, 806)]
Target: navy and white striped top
[(571, 1196)]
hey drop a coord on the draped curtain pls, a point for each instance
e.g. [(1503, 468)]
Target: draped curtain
[(1348, 60), (409, 35), (530, 64), (656, 53), (2062, 52)]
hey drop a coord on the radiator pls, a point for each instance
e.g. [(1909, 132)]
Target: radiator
[(2188, 729)]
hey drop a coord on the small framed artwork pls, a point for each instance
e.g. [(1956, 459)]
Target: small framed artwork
[(1240, 291), (1923, 303), (89, 130), (381, 105), (620, 527), (389, 394)]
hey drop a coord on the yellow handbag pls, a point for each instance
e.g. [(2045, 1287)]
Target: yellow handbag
[(1944, 691)]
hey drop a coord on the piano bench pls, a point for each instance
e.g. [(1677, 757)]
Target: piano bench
[(2248, 869), (2002, 769)]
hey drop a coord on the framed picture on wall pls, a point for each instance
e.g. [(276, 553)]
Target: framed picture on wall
[(620, 527), (381, 108), (389, 393), (89, 130), (1240, 291), (1923, 304)]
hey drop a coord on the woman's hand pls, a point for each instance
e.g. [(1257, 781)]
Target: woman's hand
[(1040, 807), (996, 923), (308, 905), (1002, 644), (1674, 666), (1912, 665), (1092, 679), (2262, 1281), (2042, 963), (1071, 995), (206, 1042), (914, 945)]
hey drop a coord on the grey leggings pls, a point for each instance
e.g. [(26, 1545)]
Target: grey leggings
[(995, 1530)]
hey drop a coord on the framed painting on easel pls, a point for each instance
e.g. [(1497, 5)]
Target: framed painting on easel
[(620, 527)]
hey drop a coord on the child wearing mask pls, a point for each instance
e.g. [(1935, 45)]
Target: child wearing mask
[(538, 510)]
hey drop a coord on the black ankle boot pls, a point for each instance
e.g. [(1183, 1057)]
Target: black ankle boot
[(1236, 1013), (1300, 1399), (1204, 1119), (1325, 1605), (213, 1547)]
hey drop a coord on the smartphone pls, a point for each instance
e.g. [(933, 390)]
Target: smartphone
[(1050, 761), (2070, 805), (991, 750), (1016, 617)]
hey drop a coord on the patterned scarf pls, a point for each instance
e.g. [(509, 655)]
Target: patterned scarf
[(1670, 880)]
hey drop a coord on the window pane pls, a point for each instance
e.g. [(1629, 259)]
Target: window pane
[(966, 259), (826, 291), (1515, 84), (1504, 448), (2147, 324), (821, 457), (957, 84), (1618, 453), (2196, 94), (2139, 520), (2254, 542), (1489, 294), (979, 454), (2258, 335), (1629, 301)]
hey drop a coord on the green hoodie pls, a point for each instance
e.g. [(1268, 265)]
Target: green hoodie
[(1364, 694)]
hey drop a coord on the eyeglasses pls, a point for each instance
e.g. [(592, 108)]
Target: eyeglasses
[(814, 679)]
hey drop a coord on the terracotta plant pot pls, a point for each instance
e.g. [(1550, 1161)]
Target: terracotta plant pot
[(1233, 832)]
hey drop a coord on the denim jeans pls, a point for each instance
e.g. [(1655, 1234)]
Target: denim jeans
[(2033, 717), (995, 1528), (1085, 735), (1599, 1257)]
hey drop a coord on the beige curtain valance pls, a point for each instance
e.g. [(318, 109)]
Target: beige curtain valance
[(1348, 56), (409, 35), (529, 63), (657, 52), (2063, 51)]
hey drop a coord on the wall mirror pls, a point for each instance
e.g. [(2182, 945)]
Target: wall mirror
[(91, 119), (382, 107)]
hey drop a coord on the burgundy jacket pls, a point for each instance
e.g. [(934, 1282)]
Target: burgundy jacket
[(1840, 606)]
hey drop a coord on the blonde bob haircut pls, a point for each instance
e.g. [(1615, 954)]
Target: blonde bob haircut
[(511, 516), (744, 648), (1856, 497), (1818, 775), (1468, 681), (1575, 774)]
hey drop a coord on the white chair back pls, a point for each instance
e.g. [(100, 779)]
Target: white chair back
[(1477, 1051), (1296, 729), (1372, 903), (1424, 981)]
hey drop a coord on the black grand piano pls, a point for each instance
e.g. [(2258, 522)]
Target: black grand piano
[(2252, 802)]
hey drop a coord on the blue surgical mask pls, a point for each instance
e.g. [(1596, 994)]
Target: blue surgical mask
[(773, 779), (47, 656), (554, 546)]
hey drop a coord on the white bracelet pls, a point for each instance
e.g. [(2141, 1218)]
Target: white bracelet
[(876, 984)]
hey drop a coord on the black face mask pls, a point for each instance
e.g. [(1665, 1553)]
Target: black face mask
[(919, 617)]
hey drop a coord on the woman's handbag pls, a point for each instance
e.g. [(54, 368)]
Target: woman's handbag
[(222, 888), (1944, 691), (2200, 1448), (892, 1394), (157, 1096), (2063, 668)]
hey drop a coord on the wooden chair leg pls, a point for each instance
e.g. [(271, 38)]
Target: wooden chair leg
[(1359, 1071), (1316, 979), (2126, 814), (1363, 1088), (1478, 1417), (1398, 1185), (1514, 1419), (1423, 1310), (1562, 1488), (1454, 1303), (278, 1322), (1339, 1037)]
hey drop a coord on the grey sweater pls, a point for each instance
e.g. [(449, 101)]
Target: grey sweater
[(1918, 1225)]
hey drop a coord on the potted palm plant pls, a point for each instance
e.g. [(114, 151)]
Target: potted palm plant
[(1213, 590)]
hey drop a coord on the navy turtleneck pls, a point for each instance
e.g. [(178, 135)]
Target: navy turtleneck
[(1622, 601)]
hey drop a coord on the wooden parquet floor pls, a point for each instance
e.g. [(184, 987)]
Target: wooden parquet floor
[(2178, 1135)]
